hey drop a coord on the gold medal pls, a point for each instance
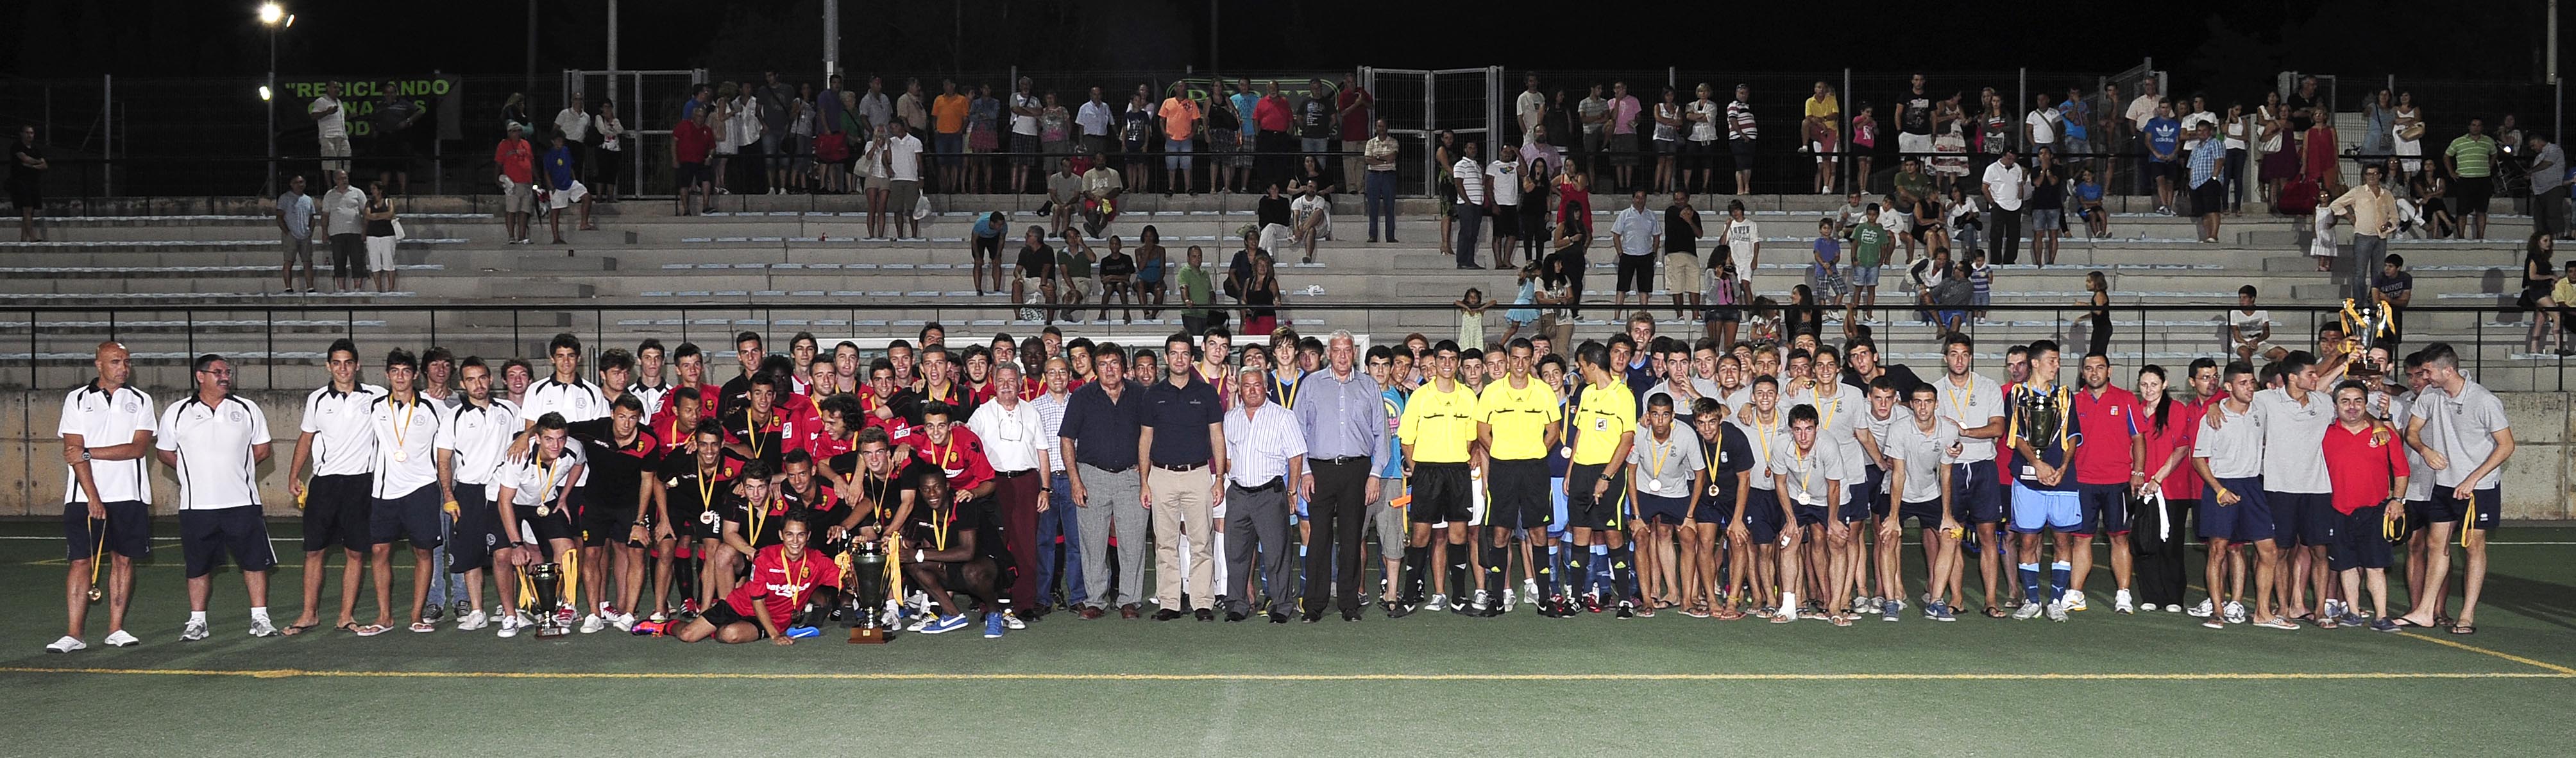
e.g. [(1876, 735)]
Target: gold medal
[(1712, 490), (542, 510), (400, 456)]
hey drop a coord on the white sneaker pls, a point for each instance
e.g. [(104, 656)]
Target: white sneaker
[(2120, 603), (591, 624), (472, 622), (2200, 611), (2057, 612), (260, 627), (2235, 612), (2173, 608), (1511, 599), (2334, 609), (1529, 589), (1011, 620), (194, 631), (1436, 603), (625, 622), (2074, 600), (120, 638), (510, 626), (2028, 610), (67, 644)]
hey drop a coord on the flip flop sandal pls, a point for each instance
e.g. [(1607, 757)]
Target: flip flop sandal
[(1994, 612), (2279, 623), (1841, 620), (370, 630), (2401, 621), (1727, 614), (424, 627), (2463, 629), (295, 629), (351, 627)]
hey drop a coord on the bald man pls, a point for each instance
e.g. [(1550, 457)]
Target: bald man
[(106, 427)]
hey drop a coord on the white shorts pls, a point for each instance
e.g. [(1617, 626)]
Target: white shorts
[(565, 198), (380, 255)]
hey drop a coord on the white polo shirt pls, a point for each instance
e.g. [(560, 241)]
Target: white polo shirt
[(533, 482), (103, 419), (1978, 404), (407, 437), (343, 443), (578, 401), (216, 468), (2235, 448), (1015, 439), (479, 435)]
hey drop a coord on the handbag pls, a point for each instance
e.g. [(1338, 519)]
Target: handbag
[(398, 231), (2411, 131)]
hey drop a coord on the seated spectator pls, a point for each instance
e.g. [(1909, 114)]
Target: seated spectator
[(1101, 187)]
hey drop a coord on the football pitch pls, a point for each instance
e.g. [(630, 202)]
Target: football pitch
[(1432, 683)]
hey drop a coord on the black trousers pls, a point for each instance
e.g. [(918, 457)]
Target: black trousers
[(1336, 517), (2162, 543), (2005, 238)]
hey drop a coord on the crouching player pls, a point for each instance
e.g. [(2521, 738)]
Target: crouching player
[(784, 577)]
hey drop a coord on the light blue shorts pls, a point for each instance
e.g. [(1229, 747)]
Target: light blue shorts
[(2033, 509)]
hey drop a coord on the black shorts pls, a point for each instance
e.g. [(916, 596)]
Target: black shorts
[(2209, 198), (1762, 516), (1636, 273), (1715, 506), (1977, 492), (2355, 540), (412, 516), (1743, 150), (2469, 194), (476, 533), (2157, 169), (1849, 513), (206, 534), (1516, 494), (1584, 511), (555, 525), (722, 614), (2301, 519), (1441, 492), (1871, 492), (987, 248), (335, 512), (603, 524), (692, 174), (2483, 509), (1727, 315), (127, 532)]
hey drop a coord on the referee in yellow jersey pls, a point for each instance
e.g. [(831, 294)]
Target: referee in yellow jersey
[(1516, 419), (1605, 424), (1438, 425)]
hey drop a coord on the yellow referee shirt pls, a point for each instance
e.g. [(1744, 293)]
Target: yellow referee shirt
[(1601, 414), (1438, 425), (1520, 418)]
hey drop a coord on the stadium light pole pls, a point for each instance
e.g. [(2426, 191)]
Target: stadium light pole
[(274, 17)]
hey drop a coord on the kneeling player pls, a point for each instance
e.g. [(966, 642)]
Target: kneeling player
[(536, 517), (946, 559), (783, 577)]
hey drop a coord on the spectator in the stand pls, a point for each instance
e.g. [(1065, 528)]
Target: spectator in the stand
[(295, 226), (803, 123), (2471, 160), (1379, 194), (1117, 272), (2408, 130), (1261, 298), (27, 168), (1701, 118), (1667, 114), (2548, 185), (1315, 119), (2164, 140), (2374, 220), (2320, 162), (876, 110), (944, 119), (1196, 293), (2040, 128), (1311, 213), (381, 239), (1624, 111), (2140, 110), (691, 141), (2047, 209), (1276, 120), (1468, 178), (392, 139), (1593, 114), (1247, 105), (827, 105), (1740, 134), (2239, 128), (1101, 189), (1224, 143), (2302, 103), (574, 122), (1502, 203), (1056, 133), (1037, 267), (562, 190), (1064, 195), (1822, 112), (1094, 120), (1180, 114), (1530, 108), (1073, 267), (331, 125), (1135, 130), (1636, 234), (1352, 107), (1913, 115), (515, 110), (2075, 117), (2005, 185), (984, 247), (612, 151), (983, 137), (344, 211), (901, 161), (749, 128), (1026, 110), (2392, 288), (1864, 144), (2087, 195)]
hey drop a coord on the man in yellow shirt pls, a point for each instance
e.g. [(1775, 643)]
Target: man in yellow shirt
[(1180, 116), (1517, 422), (948, 140), (1823, 110), (1437, 430), (1605, 425)]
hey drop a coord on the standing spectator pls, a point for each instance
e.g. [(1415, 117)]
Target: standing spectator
[(2319, 162), (517, 162), (2005, 186), (2075, 115), (691, 141), (876, 110), (1224, 143), (2047, 210), (746, 127), (1094, 118), (2140, 110), (1136, 128), (1503, 204), (1739, 137), (562, 191), (2040, 128), (1180, 114), (900, 162), (1379, 194), (1056, 135), (2378, 126), (948, 138), (612, 146), (1026, 113), (574, 123), (343, 209), (2471, 160), (803, 123), (515, 110), (1182, 434), (1743, 239), (2374, 219), (1275, 119), (1315, 120), (331, 124), (394, 117), (380, 237), (1914, 123), (1702, 117), (1467, 178), (983, 137), (2164, 138), (1623, 113), (2302, 102), (1667, 139), (984, 247), (2548, 185), (2408, 131), (2240, 128), (2208, 189), (1593, 113), (295, 226), (1682, 273), (1530, 108), (1352, 107), (1637, 234), (1247, 105), (827, 105), (27, 169)]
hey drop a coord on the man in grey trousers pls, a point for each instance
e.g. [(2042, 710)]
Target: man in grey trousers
[(1265, 451), (1099, 436)]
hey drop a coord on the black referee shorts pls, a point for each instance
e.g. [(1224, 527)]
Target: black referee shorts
[(127, 531), (1582, 510), (1441, 492), (336, 512), (1516, 494), (206, 534)]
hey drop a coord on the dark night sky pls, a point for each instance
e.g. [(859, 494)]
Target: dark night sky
[(2217, 48)]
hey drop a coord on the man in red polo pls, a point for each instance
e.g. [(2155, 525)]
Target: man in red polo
[(2365, 460), (518, 164), (2109, 465)]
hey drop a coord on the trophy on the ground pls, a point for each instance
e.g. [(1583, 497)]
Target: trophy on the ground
[(867, 565), (547, 580)]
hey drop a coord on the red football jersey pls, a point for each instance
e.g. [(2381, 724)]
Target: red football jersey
[(781, 586)]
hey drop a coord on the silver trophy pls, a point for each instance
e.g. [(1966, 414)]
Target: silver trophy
[(2040, 418), (547, 578), (867, 562)]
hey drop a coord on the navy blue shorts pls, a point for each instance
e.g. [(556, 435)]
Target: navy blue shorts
[(1654, 509), (2301, 519), (476, 533), (1926, 513), (1714, 507), (206, 534), (1976, 492), (1762, 516), (1811, 515), (2418, 514), (1873, 491), (128, 531), (2447, 509), (2355, 540), (412, 516), (2105, 508), (2248, 520), (335, 512)]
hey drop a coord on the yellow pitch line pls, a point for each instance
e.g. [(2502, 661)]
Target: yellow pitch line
[(2562, 670), (1745, 677)]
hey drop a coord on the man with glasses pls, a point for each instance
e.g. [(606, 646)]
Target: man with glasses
[(214, 441)]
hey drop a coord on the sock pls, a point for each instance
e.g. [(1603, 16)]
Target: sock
[(1623, 572), (1788, 602), (1410, 590), (1546, 571), (1458, 584), (2030, 591), (1497, 570), (2057, 575), (196, 617), (1576, 577), (259, 613)]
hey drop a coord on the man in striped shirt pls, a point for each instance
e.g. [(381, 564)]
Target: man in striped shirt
[(1265, 453)]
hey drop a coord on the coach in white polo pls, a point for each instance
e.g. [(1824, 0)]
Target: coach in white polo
[(106, 426), (215, 442), (477, 434), (341, 449), (406, 499)]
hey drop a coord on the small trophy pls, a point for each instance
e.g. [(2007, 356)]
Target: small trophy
[(547, 578), (867, 563)]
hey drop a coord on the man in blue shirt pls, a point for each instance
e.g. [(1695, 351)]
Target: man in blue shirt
[(563, 191), (2208, 189), (1344, 413), (1183, 438), (1099, 436), (2164, 139)]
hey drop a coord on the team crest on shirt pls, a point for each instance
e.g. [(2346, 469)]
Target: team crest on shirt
[(236, 416), (581, 402), (133, 407)]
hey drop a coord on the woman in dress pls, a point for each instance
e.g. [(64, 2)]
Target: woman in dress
[(2536, 281), (2322, 245), (2407, 131), (2318, 161), (983, 135), (2280, 148), (1949, 143), (2099, 298), (1149, 269), (1668, 138), (2378, 126), (722, 124)]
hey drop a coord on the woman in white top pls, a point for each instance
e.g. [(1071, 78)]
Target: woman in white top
[(872, 170), (1668, 138), (801, 120), (2276, 154), (2409, 133), (1703, 117), (1949, 143), (722, 126), (612, 151)]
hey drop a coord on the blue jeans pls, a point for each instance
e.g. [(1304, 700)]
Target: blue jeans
[(1471, 221), (445, 587), (1380, 199), (1060, 520)]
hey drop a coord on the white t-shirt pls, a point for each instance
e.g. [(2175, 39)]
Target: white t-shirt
[(1470, 176), (578, 401), (216, 466), (907, 158), (333, 126), (2256, 326), (1922, 454), (479, 436), (1528, 107), (1741, 236), (1978, 404), (407, 442), (105, 419), (2235, 448), (2008, 184), (343, 443), (574, 124), (1024, 124), (2043, 126), (1705, 129), (1505, 178)]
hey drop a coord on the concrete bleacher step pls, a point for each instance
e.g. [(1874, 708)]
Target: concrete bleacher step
[(539, 289), (564, 263)]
